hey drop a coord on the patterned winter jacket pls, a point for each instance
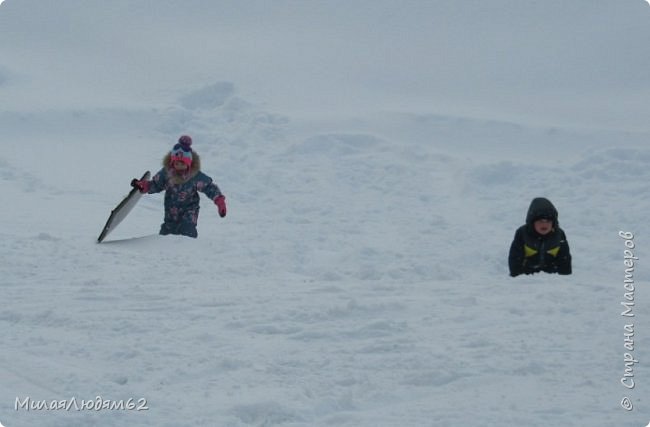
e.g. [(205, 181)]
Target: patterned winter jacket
[(182, 192)]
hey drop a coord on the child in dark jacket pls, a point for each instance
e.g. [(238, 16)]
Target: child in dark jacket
[(181, 179), (540, 244)]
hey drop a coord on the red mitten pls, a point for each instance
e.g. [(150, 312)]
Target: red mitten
[(220, 201), (142, 186)]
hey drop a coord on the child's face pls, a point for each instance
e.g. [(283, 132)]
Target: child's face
[(543, 226), (179, 166)]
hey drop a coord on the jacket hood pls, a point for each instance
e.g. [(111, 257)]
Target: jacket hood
[(176, 178), (541, 207)]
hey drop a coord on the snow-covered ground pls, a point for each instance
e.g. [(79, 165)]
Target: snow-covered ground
[(377, 158)]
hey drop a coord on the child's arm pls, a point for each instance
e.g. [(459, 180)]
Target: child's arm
[(205, 185), (210, 189), (157, 183), (564, 257), (516, 255)]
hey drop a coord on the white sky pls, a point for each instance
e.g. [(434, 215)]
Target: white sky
[(582, 62)]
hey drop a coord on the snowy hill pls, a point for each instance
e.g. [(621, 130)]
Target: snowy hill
[(376, 158)]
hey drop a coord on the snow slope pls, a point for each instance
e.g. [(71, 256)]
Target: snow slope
[(360, 277)]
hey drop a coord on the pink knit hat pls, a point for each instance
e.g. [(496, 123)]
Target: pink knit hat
[(182, 151)]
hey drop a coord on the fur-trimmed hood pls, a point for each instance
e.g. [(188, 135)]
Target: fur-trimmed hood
[(174, 177)]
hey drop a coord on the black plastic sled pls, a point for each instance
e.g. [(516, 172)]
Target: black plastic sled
[(122, 210)]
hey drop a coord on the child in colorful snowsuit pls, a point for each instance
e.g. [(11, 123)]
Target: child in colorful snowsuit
[(540, 244), (181, 179)]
